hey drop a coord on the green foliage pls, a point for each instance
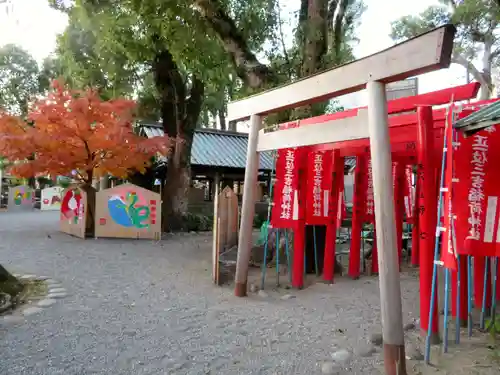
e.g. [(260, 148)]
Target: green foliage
[(82, 64), (477, 33), (196, 222), (259, 219), (19, 79)]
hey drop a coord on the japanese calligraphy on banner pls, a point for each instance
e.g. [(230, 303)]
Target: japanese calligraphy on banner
[(476, 193), (341, 209), (409, 193), (369, 215), (448, 249), (286, 210), (318, 188), (369, 201)]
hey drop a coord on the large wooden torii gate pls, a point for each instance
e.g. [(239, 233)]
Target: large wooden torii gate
[(428, 52)]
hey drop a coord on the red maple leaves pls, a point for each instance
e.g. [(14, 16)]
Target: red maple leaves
[(77, 131)]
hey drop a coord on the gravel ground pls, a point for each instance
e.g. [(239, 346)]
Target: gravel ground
[(140, 307)]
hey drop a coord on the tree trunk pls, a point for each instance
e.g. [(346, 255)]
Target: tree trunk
[(312, 24), (487, 89), (222, 118), (8, 283), (178, 181), (314, 50), (90, 215), (315, 44), (180, 116), (338, 30), (484, 79)]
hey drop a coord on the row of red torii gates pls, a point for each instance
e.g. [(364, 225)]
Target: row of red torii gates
[(416, 139)]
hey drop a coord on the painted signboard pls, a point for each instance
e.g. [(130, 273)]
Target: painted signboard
[(20, 198), (128, 211), (73, 216), (51, 198)]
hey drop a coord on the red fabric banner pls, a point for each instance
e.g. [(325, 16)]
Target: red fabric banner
[(341, 209), (369, 211), (448, 251), (369, 214), (287, 210), (319, 187), (409, 194), (476, 192)]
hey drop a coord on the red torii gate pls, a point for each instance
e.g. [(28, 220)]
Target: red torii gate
[(410, 135), (402, 130)]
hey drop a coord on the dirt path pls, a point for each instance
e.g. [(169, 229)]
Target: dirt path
[(142, 307)]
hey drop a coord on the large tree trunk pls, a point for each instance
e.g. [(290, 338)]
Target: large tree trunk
[(313, 30), (314, 50), (180, 116), (484, 78)]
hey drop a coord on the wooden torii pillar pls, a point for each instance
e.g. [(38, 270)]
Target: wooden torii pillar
[(428, 52)]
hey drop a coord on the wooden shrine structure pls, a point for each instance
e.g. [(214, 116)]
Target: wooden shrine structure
[(428, 52)]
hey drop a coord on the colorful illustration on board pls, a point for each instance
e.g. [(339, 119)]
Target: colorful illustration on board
[(22, 196), (129, 209), (72, 206), (51, 198)]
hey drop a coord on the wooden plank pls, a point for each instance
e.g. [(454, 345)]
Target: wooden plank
[(425, 53), (215, 232), (350, 128)]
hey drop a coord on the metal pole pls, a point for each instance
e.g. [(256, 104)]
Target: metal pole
[(247, 208), (389, 281)]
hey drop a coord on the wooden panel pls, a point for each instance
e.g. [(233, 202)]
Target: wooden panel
[(128, 211), (73, 216), (226, 232), (346, 129), (51, 198), (20, 198), (425, 53)]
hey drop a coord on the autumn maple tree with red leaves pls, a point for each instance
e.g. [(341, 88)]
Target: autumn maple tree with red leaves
[(76, 132)]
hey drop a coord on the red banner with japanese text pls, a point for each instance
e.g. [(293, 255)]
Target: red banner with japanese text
[(287, 210), (448, 250), (369, 212), (476, 192), (369, 216), (318, 187), (409, 193), (341, 209)]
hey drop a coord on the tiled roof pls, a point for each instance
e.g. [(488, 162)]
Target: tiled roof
[(486, 116), (216, 148)]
